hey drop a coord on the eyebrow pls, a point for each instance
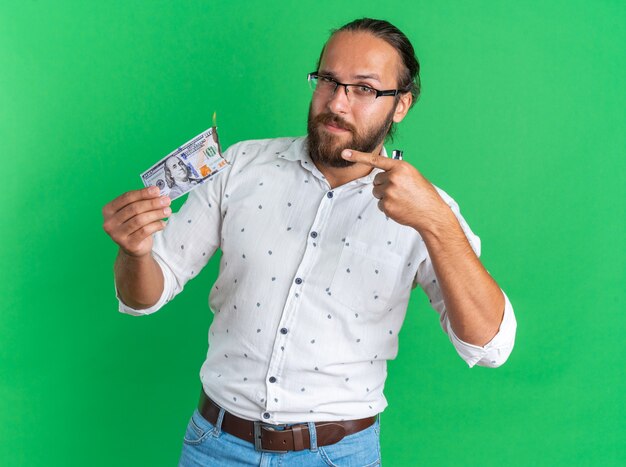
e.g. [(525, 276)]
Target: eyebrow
[(331, 74), (373, 76), (328, 73)]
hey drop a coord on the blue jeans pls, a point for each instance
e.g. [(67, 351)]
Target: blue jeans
[(206, 444)]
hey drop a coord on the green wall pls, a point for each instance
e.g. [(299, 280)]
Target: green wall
[(522, 120)]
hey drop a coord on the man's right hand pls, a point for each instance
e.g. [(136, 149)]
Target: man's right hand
[(132, 218)]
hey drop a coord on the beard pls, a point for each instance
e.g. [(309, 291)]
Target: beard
[(325, 148)]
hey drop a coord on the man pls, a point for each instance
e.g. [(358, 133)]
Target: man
[(323, 239), (178, 176)]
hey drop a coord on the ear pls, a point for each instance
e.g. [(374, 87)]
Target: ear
[(402, 107)]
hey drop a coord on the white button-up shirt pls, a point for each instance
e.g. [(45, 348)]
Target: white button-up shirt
[(312, 290)]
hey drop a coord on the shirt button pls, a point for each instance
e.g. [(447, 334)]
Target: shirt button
[(266, 415), (298, 281), (283, 331), (329, 194), (272, 379), (314, 234)]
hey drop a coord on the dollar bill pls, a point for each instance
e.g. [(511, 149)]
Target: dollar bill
[(187, 167)]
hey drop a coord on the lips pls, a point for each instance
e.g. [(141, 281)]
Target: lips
[(333, 124), (334, 128)]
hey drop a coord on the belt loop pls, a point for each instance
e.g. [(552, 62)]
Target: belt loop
[(312, 436), (218, 424)]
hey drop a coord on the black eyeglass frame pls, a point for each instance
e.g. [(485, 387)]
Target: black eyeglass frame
[(387, 92)]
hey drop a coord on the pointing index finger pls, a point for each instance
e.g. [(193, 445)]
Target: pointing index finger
[(373, 160)]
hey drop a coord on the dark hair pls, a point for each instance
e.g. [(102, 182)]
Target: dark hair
[(409, 80)]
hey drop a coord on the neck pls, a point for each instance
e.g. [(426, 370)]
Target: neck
[(337, 176)]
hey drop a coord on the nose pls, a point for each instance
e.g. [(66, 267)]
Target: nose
[(338, 101)]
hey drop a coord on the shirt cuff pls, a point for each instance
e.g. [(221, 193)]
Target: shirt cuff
[(495, 352), (163, 299)]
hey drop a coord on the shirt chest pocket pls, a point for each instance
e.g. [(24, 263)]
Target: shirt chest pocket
[(366, 277)]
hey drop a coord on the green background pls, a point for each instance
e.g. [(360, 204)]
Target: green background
[(521, 120)]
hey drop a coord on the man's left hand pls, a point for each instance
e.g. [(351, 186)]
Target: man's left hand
[(404, 194)]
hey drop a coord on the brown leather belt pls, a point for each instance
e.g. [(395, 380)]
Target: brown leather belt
[(267, 438)]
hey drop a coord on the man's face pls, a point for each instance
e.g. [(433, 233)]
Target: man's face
[(177, 170), (334, 123)]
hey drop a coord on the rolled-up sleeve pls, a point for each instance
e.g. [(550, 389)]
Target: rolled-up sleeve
[(169, 291), (497, 351)]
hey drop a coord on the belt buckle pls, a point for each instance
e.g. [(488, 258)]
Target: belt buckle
[(258, 426)]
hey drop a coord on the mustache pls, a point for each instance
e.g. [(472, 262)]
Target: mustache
[(334, 120)]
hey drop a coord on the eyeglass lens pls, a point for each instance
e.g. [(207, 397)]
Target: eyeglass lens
[(324, 86)]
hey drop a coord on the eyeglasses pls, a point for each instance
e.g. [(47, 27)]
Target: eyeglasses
[(325, 86)]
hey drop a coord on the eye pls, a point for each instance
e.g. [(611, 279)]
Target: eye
[(364, 90), (325, 79)]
